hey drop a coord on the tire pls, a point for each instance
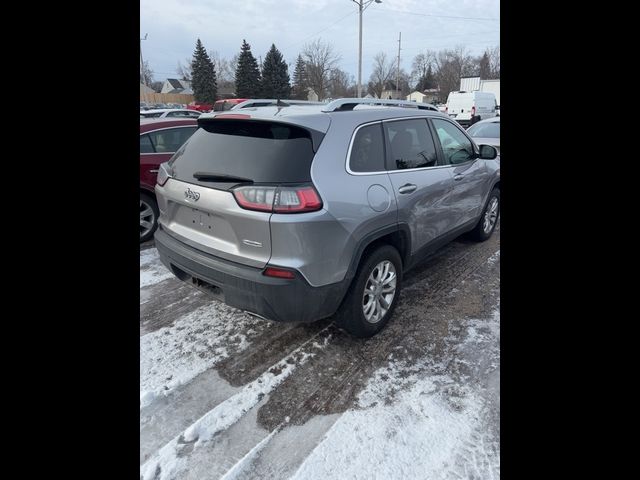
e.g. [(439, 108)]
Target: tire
[(480, 232), (351, 315), (148, 215)]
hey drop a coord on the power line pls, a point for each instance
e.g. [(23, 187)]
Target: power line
[(440, 16), (319, 32)]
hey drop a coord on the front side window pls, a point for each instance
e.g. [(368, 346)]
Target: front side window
[(171, 139), (411, 144), (455, 145), (367, 152)]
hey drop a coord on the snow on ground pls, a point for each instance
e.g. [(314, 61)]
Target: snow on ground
[(168, 462), (174, 355), (414, 422), (494, 258), (152, 270)]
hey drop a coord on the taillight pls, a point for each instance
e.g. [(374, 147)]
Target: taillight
[(164, 173), (278, 199), (473, 110), (278, 273)]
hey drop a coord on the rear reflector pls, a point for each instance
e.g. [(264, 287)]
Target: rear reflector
[(278, 273)]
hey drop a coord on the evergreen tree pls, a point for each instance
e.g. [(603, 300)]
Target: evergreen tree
[(248, 83), (275, 75), (485, 67), (300, 80), (203, 76), (429, 81)]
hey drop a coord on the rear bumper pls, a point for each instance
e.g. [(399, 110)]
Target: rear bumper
[(245, 288)]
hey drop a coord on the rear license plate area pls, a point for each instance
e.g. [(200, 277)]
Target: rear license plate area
[(201, 220)]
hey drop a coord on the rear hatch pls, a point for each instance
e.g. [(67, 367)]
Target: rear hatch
[(459, 105), (197, 203)]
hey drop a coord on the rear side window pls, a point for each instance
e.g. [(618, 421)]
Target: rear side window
[(171, 139), (455, 145), (261, 152), (367, 151), (411, 144)]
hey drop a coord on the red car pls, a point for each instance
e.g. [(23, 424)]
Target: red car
[(200, 107), (159, 140), (227, 104)]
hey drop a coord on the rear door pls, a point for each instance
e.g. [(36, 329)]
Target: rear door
[(422, 187), (470, 175), (197, 204)]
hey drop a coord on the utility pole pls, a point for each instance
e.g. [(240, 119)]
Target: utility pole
[(361, 8), (142, 75), (398, 75), (360, 52)]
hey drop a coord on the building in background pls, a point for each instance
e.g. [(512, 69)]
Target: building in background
[(173, 85), (430, 95)]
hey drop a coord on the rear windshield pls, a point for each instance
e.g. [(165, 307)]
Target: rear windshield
[(485, 130), (263, 152)]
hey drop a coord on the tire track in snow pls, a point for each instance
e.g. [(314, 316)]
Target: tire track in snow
[(173, 356), (172, 458)]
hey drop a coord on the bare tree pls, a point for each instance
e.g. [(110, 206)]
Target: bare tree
[(451, 66), (146, 75), (383, 72), (225, 70), (320, 59), (494, 61), (420, 68), (184, 71), (341, 84)]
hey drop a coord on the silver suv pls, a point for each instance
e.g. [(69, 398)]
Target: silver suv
[(298, 213)]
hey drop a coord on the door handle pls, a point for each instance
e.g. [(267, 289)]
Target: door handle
[(458, 176), (408, 188), (153, 171)]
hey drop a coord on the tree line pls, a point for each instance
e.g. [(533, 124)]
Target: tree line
[(316, 68)]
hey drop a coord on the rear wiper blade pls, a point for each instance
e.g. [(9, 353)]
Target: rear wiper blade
[(220, 177)]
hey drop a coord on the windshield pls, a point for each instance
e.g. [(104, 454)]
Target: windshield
[(485, 130)]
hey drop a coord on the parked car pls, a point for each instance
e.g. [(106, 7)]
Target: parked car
[(159, 140), (200, 107), (467, 108), (144, 106), (298, 213), (486, 132), (170, 113), (227, 104)]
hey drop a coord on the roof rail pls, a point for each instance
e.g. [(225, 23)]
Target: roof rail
[(270, 102), (343, 104)]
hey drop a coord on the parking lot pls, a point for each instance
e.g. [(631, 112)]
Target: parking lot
[(227, 395)]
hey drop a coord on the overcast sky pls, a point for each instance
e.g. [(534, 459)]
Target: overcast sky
[(174, 25)]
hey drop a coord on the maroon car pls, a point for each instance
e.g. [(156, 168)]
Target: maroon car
[(159, 139)]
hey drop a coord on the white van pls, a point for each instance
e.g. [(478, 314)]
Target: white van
[(468, 108)]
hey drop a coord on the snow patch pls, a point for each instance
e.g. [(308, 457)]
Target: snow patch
[(168, 462), (494, 258), (174, 355), (152, 270), (415, 420)]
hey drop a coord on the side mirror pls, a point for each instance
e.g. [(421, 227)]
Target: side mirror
[(487, 152)]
